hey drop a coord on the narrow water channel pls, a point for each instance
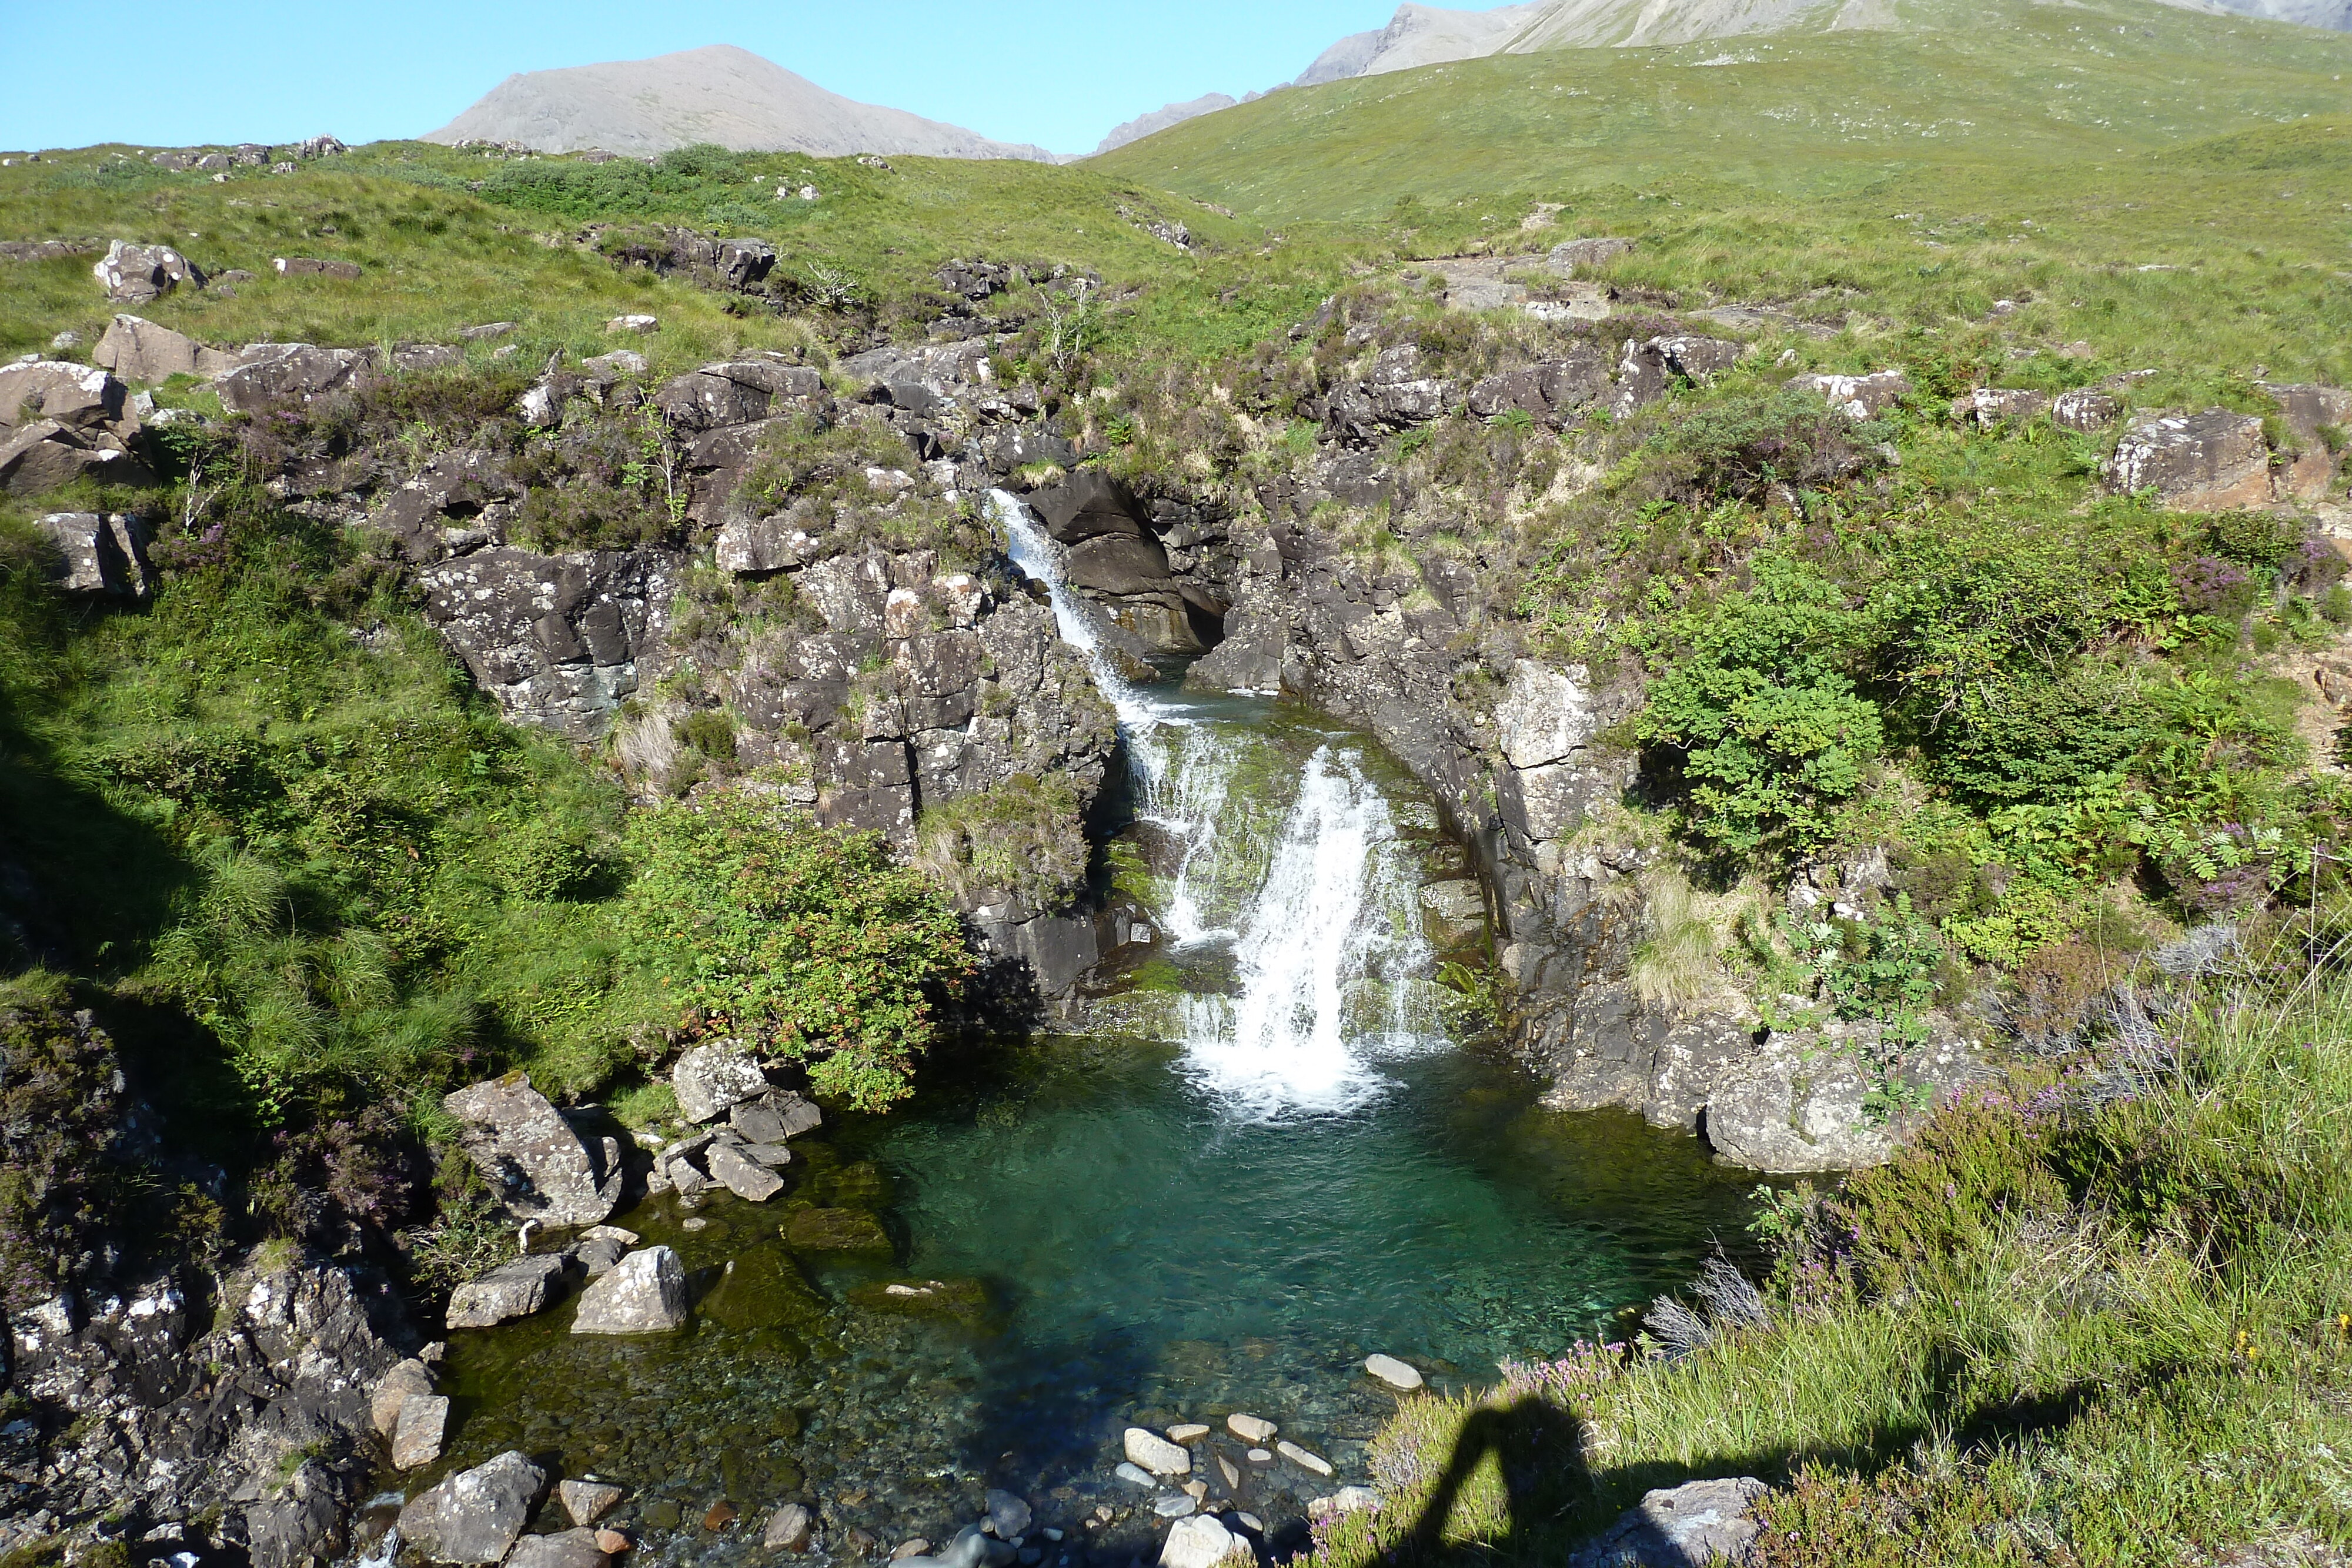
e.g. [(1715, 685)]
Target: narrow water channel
[(1274, 1151)]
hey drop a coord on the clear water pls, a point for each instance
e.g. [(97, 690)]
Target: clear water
[(1277, 1156)]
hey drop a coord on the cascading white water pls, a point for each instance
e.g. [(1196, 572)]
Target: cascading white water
[(1325, 946)]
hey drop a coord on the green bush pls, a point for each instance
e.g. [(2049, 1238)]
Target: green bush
[(808, 943)]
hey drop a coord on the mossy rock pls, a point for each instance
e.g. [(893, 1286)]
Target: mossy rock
[(763, 1291), (966, 1299), (860, 1186), (851, 1230)]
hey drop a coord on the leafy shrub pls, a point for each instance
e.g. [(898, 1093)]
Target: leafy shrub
[(805, 941), (1770, 732)]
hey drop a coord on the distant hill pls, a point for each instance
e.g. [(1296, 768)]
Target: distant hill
[(1851, 92), (720, 94), (1143, 125)]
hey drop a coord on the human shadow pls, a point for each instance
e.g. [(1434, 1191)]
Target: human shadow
[(1537, 1452)]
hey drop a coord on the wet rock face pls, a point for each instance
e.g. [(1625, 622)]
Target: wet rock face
[(1117, 559), (556, 640), (176, 1422)]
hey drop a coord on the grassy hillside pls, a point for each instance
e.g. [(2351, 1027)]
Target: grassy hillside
[(2010, 86)]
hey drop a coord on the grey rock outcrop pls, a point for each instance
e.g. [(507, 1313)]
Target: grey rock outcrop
[(2309, 413), (1551, 391), (175, 1421), (1646, 369), (739, 391), (540, 1167), (104, 556), (139, 350), (557, 640), (1858, 397), (416, 1436), (562, 1548), (512, 1289), (135, 273), (2085, 409), (1817, 1101), (2209, 461), (1689, 1526), (477, 1515), (268, 373), (644, 1293), (82, 397), (1116, 556), (39, 456), (742, 1176), (1568, 257)]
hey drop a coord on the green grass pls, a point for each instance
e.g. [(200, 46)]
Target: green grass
[(2009, 87), (2064, 1326)]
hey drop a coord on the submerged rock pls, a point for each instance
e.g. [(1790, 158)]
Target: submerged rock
[(645, 1293), (476, 1515), (790, 1528), (836, 1230), (566, 1549), (1008, 1515), (970, 1549)]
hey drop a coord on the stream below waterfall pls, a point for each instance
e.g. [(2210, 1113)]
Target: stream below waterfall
[(1272, 1151)]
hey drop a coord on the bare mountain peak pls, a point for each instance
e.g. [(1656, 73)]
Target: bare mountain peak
[(716, 93)]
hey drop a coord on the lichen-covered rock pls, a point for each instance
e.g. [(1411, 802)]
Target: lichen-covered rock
[(1689, 1526), (1823, 1100), (2209, 461), (103, 555), (80, 397), (1858, 397), (540, 1167), (268, 373), (139, 350), (1645, 370), (513, 1290), (477, 1515), (710, 1079), (135, 273), (643, 1293), (2309, 413), (559, 641)]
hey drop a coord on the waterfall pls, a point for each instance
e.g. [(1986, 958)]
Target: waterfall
[(1325, 942)]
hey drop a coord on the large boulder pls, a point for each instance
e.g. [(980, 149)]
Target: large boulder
[(1689, 1526), (1549, 390), (711, 1078), (477, 1515), (80, 397), (530, 1155), (2211, 461), (139, 350), (644, 1292), (1201, 1540), (1568, 257), (736, 392), (135, 273), (564, 1549), (104, 556), (1645, 370), (268, 373), (512, 1289)]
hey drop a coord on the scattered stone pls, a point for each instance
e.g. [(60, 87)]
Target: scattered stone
[(105, 556), (416, 1439), (476, 1515), (711, 1078), (1259, 1456), (598, 1254), (566, 1549), (135, 273), (914, 1548), (1175, 1505), (1303, 1459), (1227, 1471), (1134, 1474), (790, 1528), (1008, 1516), (80, 397), (1198, 1491), (1200, 1542), (1250, 1428), (748, 1180), (45, 454), (613, 1542), (540, 1167), (720, 1515), (1392, 1372), (1674, 1527), (68, 338), (2209, 461), (312, 267), (1155, 1453), (588, 1501), (393, 1390), (836, 1230), (1989, 406), (1188, 1432), (611, 1233), (634, 324), (644, 1293), (1252, 1523), (486, 329), (510, 1290)]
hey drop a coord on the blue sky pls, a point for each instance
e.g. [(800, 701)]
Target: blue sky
[(1059, 73)]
